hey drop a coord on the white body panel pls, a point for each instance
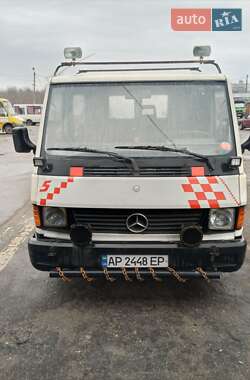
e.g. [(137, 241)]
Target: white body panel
[(130, 76), (123, 192)]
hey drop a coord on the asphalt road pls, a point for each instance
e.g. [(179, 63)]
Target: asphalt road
[(53, 330), (15, 172)]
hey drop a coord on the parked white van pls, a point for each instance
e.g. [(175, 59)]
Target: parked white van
[(138, 172), (31, 113)]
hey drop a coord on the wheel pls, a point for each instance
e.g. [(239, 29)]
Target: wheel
[(8, 129), (29, 122)]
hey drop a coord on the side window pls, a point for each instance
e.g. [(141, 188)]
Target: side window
[(121, 108), (78, 105), (2, 110), (19, 110), (78, 118), (34, 110), (37, 110), (30, 110), (156, 105), (199, 110), (222, 120)]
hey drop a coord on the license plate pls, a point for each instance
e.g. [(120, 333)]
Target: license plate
[(132, 261)]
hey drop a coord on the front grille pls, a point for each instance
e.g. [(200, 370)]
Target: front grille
[(144, 172), (159, 221)]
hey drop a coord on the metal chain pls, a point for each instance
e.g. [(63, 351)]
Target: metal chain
[(62, 275), (126, 276), (138, 275), (85, 275), (107, 275), (155, 277), (176, 275), (203, 273)]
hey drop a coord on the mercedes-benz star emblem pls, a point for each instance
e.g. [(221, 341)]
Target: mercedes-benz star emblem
[(137, 223), (136, 188)]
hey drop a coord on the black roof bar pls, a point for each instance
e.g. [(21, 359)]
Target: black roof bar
[(200, 61), (154, 69)]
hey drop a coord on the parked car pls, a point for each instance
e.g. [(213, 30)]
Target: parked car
[(8, 119), (31, 113), (245, 123)]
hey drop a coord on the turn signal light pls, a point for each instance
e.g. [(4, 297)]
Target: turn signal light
[(76, 171), (36, 215), (240, 218)]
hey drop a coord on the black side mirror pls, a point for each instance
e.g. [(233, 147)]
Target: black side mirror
[(22, 142)]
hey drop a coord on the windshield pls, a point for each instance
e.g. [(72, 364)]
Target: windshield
[(191, 115), (8, 108)]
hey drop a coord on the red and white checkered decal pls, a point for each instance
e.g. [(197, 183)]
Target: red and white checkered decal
[(206, 192), (49, 193), (192, 192)]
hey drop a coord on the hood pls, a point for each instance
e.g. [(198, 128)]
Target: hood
[(136, 192)]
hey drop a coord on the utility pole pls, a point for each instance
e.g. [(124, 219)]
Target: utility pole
[(34, 85), (247, 83)]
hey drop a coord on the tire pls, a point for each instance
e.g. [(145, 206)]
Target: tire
[(29, 122), (8, 129)]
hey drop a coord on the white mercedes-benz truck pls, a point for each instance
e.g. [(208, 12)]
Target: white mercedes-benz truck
[(137, 171)]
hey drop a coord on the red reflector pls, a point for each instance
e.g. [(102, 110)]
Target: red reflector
[(76, 171), (198, 171)]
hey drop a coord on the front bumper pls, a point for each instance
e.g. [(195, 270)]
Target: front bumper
[(213, 257)]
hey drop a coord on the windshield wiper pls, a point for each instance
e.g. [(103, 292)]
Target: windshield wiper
[(163, 148), (113, 155)]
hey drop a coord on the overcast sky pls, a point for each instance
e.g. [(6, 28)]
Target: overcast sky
[(34, 33)]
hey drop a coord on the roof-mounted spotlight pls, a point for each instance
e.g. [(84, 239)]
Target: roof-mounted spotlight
[(202, 51), (73, 53)]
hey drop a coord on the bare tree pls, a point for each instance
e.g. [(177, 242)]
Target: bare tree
[(21, 95)]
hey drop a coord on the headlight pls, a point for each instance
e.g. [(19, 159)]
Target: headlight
[(221, 219), (54, 217)]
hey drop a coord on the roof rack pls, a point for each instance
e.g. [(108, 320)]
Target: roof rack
[(122, 63), (142, 69), (75, 53)]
